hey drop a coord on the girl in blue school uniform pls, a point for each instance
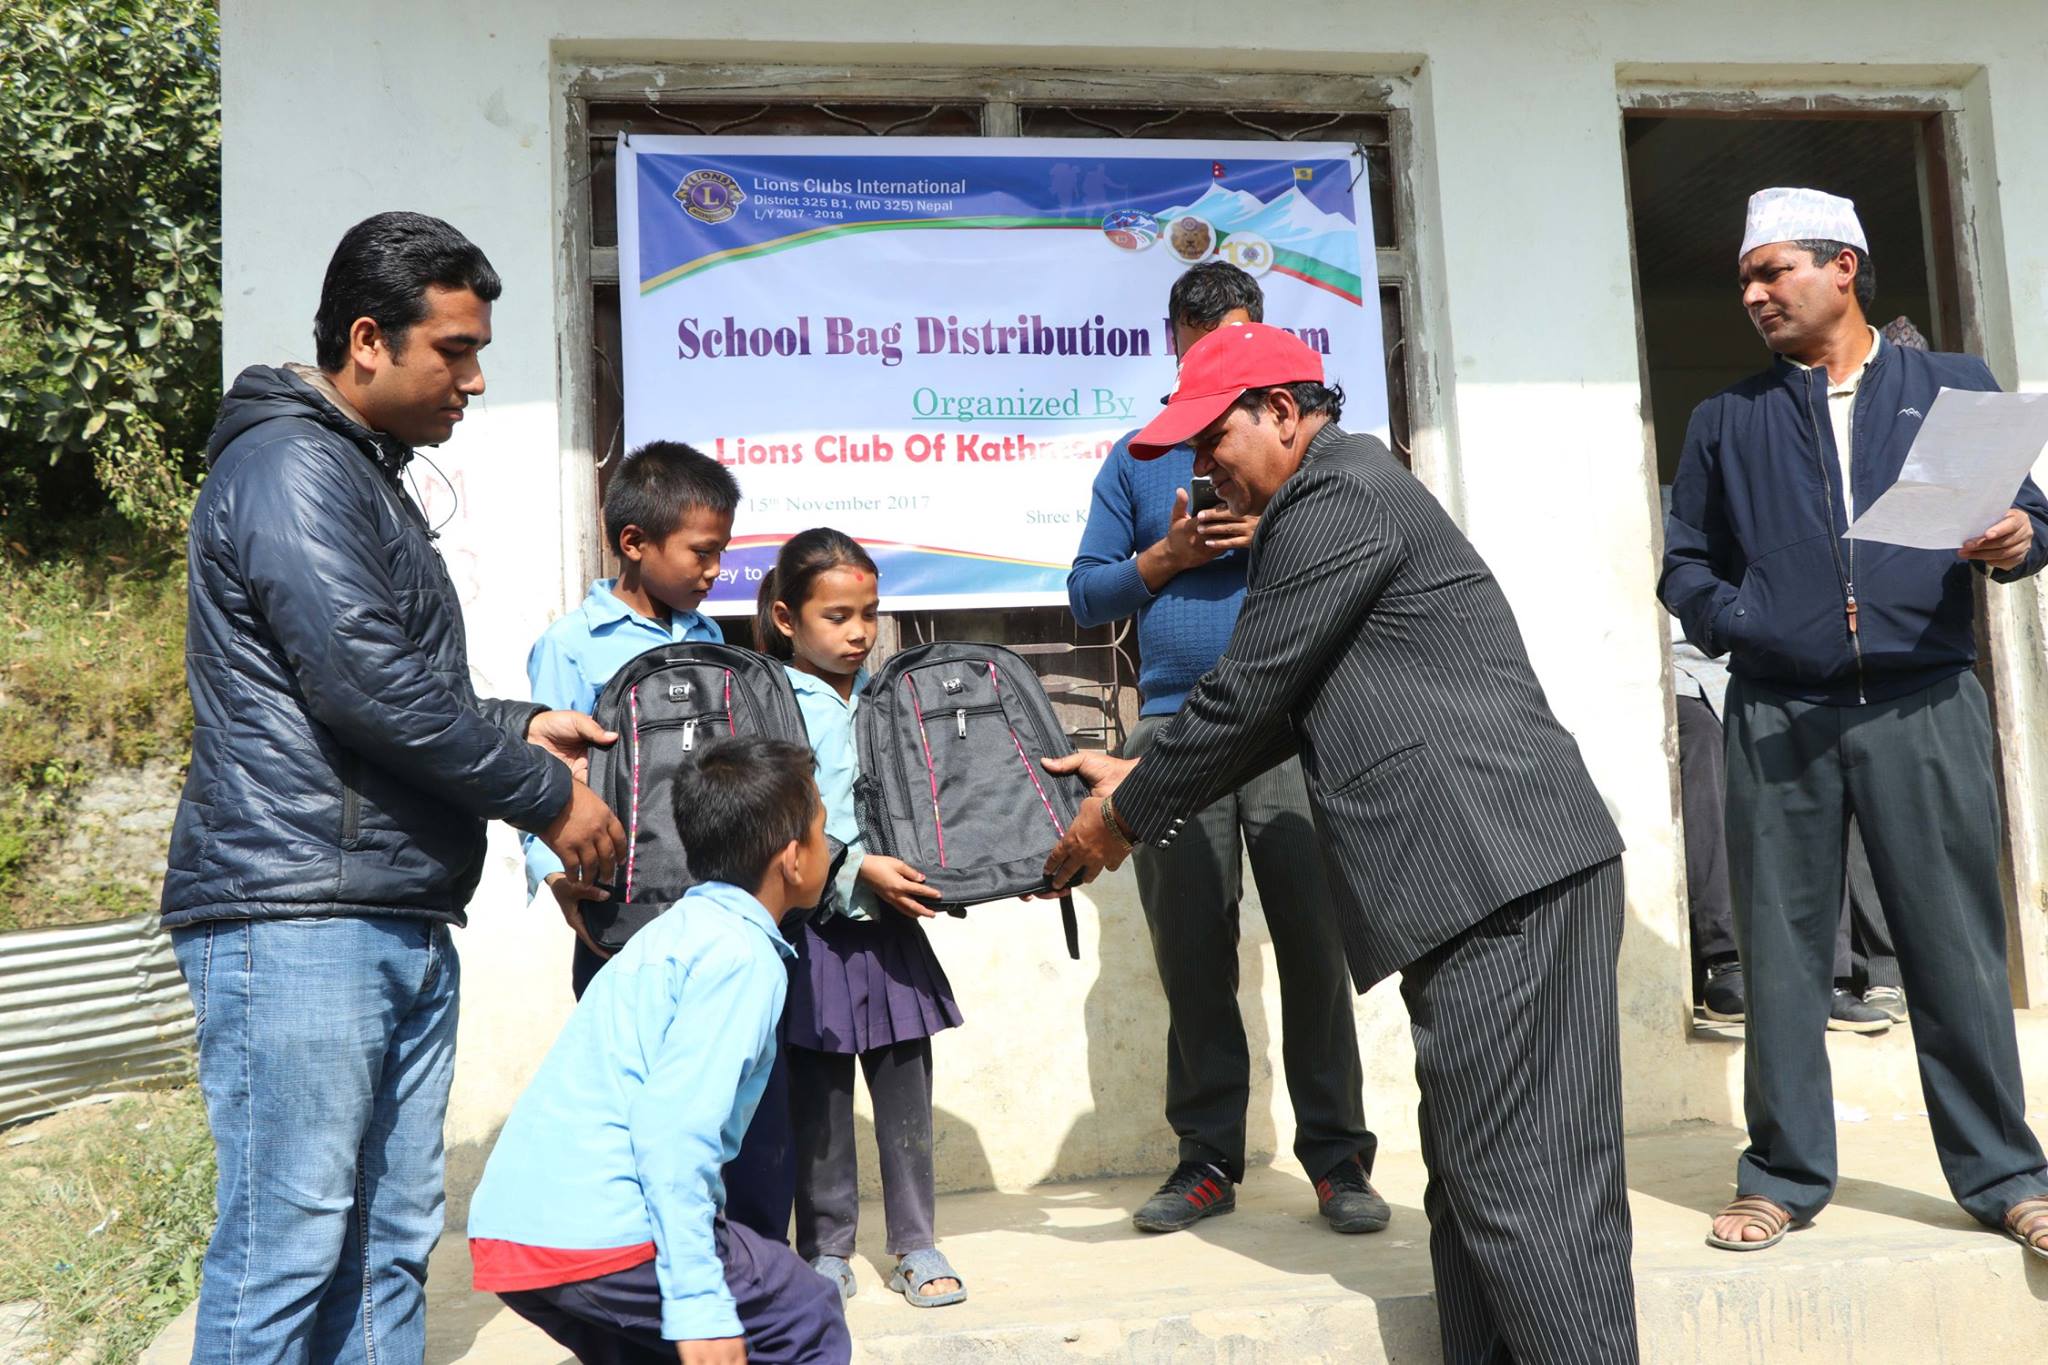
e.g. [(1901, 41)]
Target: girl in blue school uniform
[(866, 984)]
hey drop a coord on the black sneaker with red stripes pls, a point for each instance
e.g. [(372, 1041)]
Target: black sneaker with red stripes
[(1349, 1201), (1196, 1190)]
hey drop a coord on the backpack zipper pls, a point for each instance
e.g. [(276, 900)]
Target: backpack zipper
[(633, 820), (688, 726), (930, 768), (1848, 576), (961, 713), (1030, 770)]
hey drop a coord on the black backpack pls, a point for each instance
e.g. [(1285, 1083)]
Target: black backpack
[(950, 739), (663, 705)]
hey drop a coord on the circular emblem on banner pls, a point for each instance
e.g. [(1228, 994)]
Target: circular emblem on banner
[(1249, 252), (710, 196), (1191, 239), (1130, 229)]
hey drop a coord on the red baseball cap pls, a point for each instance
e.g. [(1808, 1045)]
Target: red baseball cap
[(1215, 371)]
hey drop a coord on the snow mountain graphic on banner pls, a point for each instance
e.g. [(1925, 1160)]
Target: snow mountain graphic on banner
[(1225, 210), (1292, 223)]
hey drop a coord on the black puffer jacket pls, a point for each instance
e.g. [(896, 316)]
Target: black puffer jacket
[(341, 762)]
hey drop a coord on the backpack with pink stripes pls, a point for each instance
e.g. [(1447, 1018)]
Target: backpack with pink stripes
[(950, 737), (666, 705)]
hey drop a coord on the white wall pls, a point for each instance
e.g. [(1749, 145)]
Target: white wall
[(449, 108)]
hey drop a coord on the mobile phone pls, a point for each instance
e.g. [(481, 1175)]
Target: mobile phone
[(1202, 494)]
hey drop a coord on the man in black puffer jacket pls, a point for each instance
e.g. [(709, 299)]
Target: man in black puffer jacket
[(332, 824), (1852, 695)]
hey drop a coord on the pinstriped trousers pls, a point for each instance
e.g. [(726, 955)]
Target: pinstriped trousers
[(1517, 1054)]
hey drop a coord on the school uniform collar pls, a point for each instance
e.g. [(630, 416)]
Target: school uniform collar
[(817, 686), (734, 900), (602, 607)]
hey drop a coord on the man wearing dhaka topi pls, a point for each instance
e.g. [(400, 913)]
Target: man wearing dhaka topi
[(1852, 695)]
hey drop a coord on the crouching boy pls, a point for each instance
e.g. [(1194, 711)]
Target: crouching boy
[(600, 1218)]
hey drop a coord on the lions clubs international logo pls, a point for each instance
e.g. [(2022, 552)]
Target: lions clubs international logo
[(710, 196)]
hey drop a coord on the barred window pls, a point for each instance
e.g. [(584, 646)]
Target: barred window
[(1090, 673)]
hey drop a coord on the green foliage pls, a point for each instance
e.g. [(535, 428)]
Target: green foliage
[(109, 250), (107, 1214), (92, 633)]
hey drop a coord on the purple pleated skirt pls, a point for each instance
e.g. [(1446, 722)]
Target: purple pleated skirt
[(862, 984)]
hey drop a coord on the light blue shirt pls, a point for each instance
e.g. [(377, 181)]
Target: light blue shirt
[(576, 656), (829, 719), (643, 1098)]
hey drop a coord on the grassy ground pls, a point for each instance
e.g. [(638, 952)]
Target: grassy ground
[(92, 626), (106, 1211)]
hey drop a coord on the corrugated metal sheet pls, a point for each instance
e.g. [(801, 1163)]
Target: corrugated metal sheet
[(88, 1008)]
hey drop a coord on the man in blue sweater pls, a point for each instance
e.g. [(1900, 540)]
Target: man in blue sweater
[(1183, 576), (1853, 695), (601, 1216)]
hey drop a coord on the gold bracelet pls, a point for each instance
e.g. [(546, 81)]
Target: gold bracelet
[(1109, 818)]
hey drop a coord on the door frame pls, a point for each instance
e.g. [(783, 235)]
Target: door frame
[(1971, 313)]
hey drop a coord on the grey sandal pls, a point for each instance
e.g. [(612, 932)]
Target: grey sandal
[(1755, 1211), (916, 1269), (835, 1269)]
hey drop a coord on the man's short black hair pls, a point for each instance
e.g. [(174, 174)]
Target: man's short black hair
[(1204, 293), (656, 486), (382, 270), (1310, 397), (1823, 250), (743, 801)]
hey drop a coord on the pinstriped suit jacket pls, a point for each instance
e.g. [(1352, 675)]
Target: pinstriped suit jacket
[(1375, 643)]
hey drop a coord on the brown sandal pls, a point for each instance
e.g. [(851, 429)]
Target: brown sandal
[(1756, 1212), (2027, 1223)]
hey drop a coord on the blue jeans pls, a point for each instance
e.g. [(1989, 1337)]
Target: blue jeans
[(326, 1047)]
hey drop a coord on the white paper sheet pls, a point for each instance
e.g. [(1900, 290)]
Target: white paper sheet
[(1963, 471)]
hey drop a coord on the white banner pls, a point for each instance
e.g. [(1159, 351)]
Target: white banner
[(931, 344)]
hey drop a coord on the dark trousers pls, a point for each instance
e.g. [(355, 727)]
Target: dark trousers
[(1864, 956), (790, 1314), (1702, 792), (1191, 893), (760, 1182), (583, 965), (899, 1081), (1916, 774), (1518, 1056)]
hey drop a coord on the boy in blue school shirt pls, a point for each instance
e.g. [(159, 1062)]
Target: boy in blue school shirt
[(600, 1215), (668, 515)]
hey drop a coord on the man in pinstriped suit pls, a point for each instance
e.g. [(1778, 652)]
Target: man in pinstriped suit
[(1467, 847)]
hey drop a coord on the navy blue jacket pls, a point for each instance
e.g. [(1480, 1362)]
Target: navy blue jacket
[(1754, 563), (341, 763)]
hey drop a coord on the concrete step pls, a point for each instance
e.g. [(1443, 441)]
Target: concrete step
[(1893, 1271)]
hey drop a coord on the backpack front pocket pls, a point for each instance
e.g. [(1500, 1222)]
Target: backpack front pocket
[(982, 786)]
